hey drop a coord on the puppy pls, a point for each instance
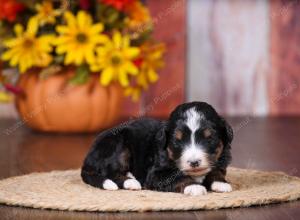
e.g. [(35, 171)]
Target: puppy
[(188, 153)]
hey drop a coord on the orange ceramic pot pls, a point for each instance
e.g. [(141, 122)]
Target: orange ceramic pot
[(55, 105)]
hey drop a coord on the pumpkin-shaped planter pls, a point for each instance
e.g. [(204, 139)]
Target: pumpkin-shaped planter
[(55, 105)]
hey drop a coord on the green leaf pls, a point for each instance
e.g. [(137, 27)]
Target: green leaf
[(81, 75), (109, 16), (49, 71), (59, 59)]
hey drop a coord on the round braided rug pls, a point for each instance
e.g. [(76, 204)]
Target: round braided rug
[(64, 190)]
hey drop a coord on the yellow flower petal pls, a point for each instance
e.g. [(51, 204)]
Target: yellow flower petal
[(131, 68), (152, 75), (95, 67), (79, 58), (101, 39), (97, 28), (63, 29), (32, 26), (134, 92), (70, 18), (126, 41), (117, 39), (132, 52), (90, 58), (14, 60), (83, 19), (70, 57), (123, 78), (23, 66), (106, 76), (18, 29), (12, 42)]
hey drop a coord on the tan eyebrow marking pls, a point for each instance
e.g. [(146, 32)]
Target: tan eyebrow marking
[(170, 153), (219, 150), (178, 134), (207, 133)]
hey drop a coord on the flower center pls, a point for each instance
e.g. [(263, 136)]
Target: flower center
[(116, 60), (28, 43), (81, 38)]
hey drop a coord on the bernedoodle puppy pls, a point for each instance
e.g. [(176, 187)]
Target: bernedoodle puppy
[(188, 153)]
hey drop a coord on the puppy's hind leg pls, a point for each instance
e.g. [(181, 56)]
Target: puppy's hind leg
[(94, 179), (128, 181)]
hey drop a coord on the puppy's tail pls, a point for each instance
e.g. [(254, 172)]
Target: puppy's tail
[(92, 178)]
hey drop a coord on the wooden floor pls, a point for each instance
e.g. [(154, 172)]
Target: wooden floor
[(259, 143)]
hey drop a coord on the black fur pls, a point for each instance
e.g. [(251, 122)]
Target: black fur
[(148, 148)]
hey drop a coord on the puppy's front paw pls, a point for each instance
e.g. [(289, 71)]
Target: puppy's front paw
[(221, 187), (195, 190), (109, 185), (132, 184)]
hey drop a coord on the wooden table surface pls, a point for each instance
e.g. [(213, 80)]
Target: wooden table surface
[(259, 143)]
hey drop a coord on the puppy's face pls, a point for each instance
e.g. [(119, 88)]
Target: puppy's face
[(195, 139)]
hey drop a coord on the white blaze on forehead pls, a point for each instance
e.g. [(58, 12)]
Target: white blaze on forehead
[(193, 152), (193, 119)]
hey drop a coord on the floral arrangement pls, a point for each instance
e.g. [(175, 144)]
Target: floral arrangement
[(111, 38)]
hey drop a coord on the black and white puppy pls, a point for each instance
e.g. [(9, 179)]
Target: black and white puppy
[(188, 153)]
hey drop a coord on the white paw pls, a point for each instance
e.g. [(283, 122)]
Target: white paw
[(195, 190), (109, 185), (221, 187), (129, 175), (132, 184)]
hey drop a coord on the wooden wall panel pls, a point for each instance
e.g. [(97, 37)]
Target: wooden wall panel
[(285, 57), (228, 55)]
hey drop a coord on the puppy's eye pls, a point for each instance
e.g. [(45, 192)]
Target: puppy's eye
[(207, 133), (178, 135)]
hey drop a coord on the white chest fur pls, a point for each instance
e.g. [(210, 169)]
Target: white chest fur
[(199, 179)]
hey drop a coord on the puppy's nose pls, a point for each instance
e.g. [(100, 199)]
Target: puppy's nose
[(195, 163)]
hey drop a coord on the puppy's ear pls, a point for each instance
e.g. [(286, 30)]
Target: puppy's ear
[(161, 136), (161, 145), (226, 132)]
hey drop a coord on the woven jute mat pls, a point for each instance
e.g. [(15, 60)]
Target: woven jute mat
[(64, 190)]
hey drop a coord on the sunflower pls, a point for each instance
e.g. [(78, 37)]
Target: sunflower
[(26, 49), (79, 38), (115, 59), (149, 61), (151, 56), (46, 14)]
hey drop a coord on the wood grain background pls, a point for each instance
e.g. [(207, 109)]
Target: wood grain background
[(244, 56), (284, 96), (228, 55)]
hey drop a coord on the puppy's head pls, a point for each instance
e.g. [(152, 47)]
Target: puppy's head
[(198, 138)]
